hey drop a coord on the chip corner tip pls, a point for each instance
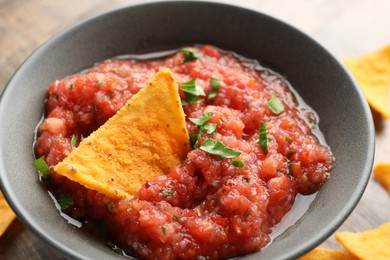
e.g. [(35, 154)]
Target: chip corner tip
[(166, 73), (164, 78), (165, 70)]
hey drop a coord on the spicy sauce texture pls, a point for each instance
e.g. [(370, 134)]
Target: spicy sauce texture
[(207, 206)]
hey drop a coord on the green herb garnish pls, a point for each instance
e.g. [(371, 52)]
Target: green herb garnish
[(194, 140), (41, 165), (190, 55), (263, 139), (275, 105), (214, 88), (288, 139), (210, 128), (201, 121), (238, 163), (203, 125), (70, 86), (73, 141), (290, 154), (192, 92), (116, 249), (164, 230), (219, 149), (65, 201), (176, 218), (167, 193), (290, 168), (246, 179), (110, 206)]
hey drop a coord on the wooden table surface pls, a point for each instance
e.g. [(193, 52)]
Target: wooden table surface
[(345, 27)]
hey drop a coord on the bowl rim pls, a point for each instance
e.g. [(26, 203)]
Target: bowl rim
[(301, 249)]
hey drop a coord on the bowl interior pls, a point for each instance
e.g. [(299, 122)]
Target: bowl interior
[(323, 83)]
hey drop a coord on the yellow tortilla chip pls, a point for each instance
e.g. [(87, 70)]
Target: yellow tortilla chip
[(372, 72), (146, 138), (382, 174), (326, 254), (6, 215), (371, 244)]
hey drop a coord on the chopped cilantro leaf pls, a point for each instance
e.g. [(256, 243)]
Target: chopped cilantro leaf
[(201, 121), (290, 154), (214, 88), (193, 139), (198, 136), (167, 193), (192, 92), (110, 206), (73, 141), (190, 55), (65, 201), (116, 249), (219, 149), (275, 105), (210, 128), (247, 179), (263, 139), (238, 163), (288, 139), (163, 230), (176, 218), (290, 168), (41, 165)]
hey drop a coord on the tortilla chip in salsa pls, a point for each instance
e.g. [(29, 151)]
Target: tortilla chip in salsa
[(144, 139)]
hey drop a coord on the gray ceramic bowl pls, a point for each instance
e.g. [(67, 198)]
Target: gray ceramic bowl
[(321, 80)]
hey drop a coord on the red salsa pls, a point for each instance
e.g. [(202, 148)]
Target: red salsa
[(212, 206)]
